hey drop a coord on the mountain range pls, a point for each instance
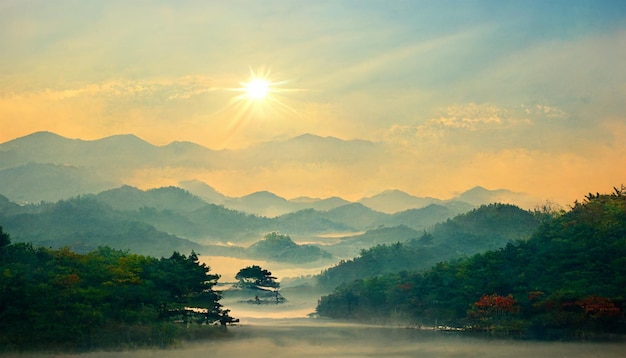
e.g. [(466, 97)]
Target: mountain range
[(158, 221), (56, 191), (44, 166)]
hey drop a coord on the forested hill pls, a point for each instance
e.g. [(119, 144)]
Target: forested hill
[(485, 228), (83, 224), (569, 277)]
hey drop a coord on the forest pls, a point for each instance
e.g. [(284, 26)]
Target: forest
[(548, 274), (60, 300), (568, 280), (484, 228)]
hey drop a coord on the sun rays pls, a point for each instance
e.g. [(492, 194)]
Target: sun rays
[(261, 97)]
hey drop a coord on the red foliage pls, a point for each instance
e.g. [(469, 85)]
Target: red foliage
[(597, 307), (504, 303), (494, 303)]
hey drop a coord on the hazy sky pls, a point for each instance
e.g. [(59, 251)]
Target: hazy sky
[(524, 95)]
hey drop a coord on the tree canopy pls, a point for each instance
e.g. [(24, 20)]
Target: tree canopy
[(568, 278), (59, 298), (485, 228), (280, 248), (255, 277)]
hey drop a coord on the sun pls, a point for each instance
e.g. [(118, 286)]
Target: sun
[(260, 97), (257, 89)]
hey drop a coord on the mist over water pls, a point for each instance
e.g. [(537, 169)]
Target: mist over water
[(285, 331), (319, 338), (227, 267), (297, 305)]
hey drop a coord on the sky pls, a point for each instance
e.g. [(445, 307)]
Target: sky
[(524, 95)]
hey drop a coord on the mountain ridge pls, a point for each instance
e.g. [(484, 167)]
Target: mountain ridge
[(126, 159)]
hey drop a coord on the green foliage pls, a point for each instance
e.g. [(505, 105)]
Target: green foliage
[(485, 228), (5, 239), (569, 278), (61, 299), (83, 224), (280, 248), (255, 277)]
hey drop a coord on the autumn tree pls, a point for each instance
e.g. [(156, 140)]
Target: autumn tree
[(493, 312)]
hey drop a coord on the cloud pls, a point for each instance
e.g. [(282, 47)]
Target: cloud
[(182, 87), (441, 88), (469, 117), (482, 125)]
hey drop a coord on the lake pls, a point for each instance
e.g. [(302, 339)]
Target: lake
[(285, 331), (262, 338)]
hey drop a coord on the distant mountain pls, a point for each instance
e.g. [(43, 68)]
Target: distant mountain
[(319, 204), (280, 248), (357, 216), (424, 218), (128, 150), (310, 221), (175, 210), (204, 191), (131, 198), (86, 166), (268, 204), (261, 203), (178, 212), (393, 201), (83, 224), (46, 147), (39, 147), (479, 196), (34, 182), (46, 166), (308, 148)]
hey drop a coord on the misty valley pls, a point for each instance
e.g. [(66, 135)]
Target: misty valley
[(91, 265), (330, 178), (131, 269)]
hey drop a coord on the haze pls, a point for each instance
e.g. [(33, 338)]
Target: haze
[(524, 96), (346, 340)]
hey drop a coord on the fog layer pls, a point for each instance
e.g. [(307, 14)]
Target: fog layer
[(316, 338)]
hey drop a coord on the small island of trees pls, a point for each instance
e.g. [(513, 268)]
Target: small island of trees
[(259, 282)]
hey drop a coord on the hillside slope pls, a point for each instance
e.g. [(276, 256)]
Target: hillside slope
[(485, 228), (568, 279)]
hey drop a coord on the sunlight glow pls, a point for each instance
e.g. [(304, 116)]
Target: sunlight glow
[(261, 97), (257, 89)]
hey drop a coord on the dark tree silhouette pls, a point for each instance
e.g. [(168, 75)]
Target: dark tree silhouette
[(255, 277)]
